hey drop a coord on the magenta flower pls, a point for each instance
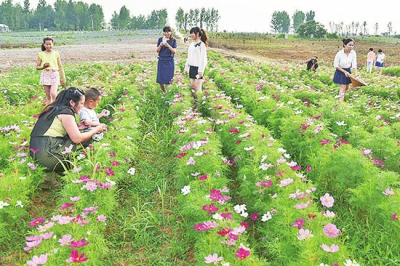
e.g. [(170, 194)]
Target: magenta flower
[(308, 168), (233, 130), (75, 257), (36, 222), (109, 172), (242, 253), (254, 216), (299, 223), (42, 259), (330, 230), (213, 259), (201, 227), (324, 142), (327, 200), (112, 154), (211, 209), (79, 243), (203, 177), (332, 249), (395, 216), (65, 206)]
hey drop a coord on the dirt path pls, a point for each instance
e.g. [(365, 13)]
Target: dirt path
[(112, 52)]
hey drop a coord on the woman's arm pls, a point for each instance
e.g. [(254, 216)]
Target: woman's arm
[(73, 132)]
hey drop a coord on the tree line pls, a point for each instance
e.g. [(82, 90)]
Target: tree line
[(67, 15), (305, 26), (204, 18)]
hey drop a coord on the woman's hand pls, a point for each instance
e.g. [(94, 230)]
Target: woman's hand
[(100, 128)]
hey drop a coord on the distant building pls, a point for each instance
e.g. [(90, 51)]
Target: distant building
[(4, 28)]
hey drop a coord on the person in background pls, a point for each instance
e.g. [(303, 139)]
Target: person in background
[(166, 49), (312, 64), (197, 59), (345, 60), (380, 58), (49, 61), (88, 118), (370, 59), (56, 132)]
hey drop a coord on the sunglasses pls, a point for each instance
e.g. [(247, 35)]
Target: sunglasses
[(76, 91)]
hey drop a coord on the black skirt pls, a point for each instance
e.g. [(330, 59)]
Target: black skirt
[(340, 77)]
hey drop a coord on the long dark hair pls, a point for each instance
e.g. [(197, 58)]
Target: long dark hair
[(346, 41), (46, 39), (61, 102), (168, 29), (202, 34)]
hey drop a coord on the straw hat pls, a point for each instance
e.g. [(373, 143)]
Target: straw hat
[(357, 82)]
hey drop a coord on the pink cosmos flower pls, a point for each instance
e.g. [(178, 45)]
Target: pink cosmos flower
[(65, 240), (300, 206), (395, 217), (304, 234), (388, 192), (286, 182), (191, 161), (332, 249), (327, 200), (242, 253), (32, 244), (233, 130), (79, 243), (42, 259), (68, 149), (330, 230), (308, 168), (101, 218), (213, 259), (299, 223), (324, 142), (112, 154), (47, 235)]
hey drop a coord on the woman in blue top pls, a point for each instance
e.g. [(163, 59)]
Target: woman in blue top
[(166, 48)]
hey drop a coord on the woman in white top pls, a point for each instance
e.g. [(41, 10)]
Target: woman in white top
[(197, 58), (345, 60), (379, 61)]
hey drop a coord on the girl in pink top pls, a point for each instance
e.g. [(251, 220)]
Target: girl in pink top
[(370, 59)]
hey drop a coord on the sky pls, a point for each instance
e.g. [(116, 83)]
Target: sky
[(255, 15)]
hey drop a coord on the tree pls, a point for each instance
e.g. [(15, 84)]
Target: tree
[(365, 31), (298, 19), (96, 16), (376, 28), (180, 18), (390, 28), (310, 15), (311, 29), (124, 18), (280, 21)]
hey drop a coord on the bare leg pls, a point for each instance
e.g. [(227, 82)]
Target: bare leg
[(53, 93), (343, 89), (163, 87)]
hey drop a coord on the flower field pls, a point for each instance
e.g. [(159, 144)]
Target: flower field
[(270, 170)]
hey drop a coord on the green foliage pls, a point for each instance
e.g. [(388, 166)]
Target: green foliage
[(311, 29), (280, 22)]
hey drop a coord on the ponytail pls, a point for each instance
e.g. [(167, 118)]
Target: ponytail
[(202, 34), (204, 37)]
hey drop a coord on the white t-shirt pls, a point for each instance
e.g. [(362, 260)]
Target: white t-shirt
[(197, 56), (345, 61), (90, 114), (380, 57)]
